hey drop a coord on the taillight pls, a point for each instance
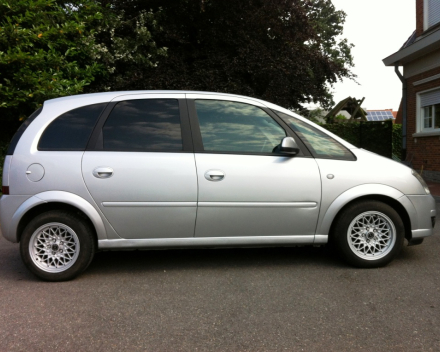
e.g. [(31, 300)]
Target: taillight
[(5, 190)]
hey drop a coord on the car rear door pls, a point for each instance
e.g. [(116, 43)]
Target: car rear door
[(245, 187), (139, 167)]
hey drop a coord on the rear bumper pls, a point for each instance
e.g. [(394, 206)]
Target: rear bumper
[(423, 225), (8, 208)]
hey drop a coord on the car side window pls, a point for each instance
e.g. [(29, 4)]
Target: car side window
[(228, 126), (320, 144), (71, 131), (144, 125)]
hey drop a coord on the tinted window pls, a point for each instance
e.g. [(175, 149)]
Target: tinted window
[(144, 125), (237, 127), (71, 130), (21, 130), (319, 144)]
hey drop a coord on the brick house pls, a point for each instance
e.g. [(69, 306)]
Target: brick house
[(420, 108)]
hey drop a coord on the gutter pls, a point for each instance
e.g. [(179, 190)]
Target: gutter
[(404, 112), (420, 47)]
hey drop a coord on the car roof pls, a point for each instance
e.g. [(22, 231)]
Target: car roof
[(111, 95)]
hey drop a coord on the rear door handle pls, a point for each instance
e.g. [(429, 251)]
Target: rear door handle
[(214, 175), (103, 172)]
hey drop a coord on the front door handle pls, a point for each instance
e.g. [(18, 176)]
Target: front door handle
[(103, 172), (214, 175)]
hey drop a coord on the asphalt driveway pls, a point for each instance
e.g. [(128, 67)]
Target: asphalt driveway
[(279, 299)]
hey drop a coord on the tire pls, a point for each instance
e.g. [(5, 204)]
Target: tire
[(57, 245), (369, 234)]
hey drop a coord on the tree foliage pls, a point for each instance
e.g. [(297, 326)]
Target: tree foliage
[(125, 45), (286, 52), (42, 55), (52, 48)]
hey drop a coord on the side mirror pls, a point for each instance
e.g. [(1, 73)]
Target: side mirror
[(289, 146)]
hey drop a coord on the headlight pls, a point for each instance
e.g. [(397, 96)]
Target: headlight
[(421, 180)]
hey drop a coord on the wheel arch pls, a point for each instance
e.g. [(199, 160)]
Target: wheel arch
[(378, 192), (381, 198), (54, 200)]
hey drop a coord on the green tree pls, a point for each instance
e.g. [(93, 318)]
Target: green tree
[(125, 46), (42, 52), (287, 52), (52, 48)]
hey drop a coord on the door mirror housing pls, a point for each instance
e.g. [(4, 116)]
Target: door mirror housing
[(289, 146)]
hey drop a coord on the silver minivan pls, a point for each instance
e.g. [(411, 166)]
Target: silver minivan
[(174, 169)]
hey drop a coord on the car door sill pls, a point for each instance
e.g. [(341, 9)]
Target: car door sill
[(261, 241)]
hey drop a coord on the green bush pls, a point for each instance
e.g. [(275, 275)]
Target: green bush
[(377, 137), (348, 131), (397, 140), (340, 118)]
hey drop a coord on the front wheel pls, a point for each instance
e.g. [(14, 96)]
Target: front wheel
[(369, 234), (57, 246)]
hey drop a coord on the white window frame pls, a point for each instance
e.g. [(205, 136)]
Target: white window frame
[(426, 15), (420, 118)]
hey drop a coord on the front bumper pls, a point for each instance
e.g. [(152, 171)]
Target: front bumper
[(422, 224)]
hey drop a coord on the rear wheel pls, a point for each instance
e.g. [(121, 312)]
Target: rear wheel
[(57, 246), (369, 234)]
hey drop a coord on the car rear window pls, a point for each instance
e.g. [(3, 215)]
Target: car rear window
[(71, 131), (21, 130)]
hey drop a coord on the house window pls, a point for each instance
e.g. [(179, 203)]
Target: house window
[(432, 13), (429, 111)]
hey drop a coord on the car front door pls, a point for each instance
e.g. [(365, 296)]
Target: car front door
[(140, 169), (246, 187)]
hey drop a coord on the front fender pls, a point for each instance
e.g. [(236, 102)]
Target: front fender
[(60, 197), (328, 215)]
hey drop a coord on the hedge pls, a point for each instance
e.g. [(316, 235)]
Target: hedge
[(375, 136)]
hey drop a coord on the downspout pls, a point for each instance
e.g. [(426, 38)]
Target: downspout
[(404, 113)]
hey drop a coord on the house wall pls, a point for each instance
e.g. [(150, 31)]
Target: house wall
[(424, 151), (422, 74), (423, 64)]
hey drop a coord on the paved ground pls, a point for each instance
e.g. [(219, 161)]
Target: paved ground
[(288, 299)]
